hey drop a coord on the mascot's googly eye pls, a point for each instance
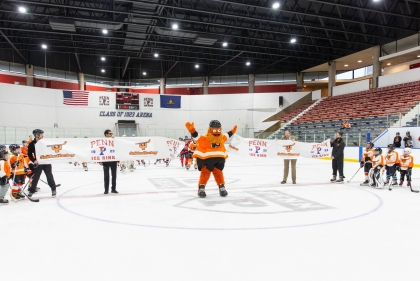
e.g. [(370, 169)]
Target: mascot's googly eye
[(219, 131), (214, 131)]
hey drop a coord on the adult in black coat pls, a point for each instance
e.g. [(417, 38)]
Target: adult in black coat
[(337, 157)]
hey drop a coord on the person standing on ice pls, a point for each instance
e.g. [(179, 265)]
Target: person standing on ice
[(106, 166), (287, 136), (337, 157)]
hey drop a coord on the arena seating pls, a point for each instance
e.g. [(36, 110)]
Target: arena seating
[(292, 114), (367, 111)]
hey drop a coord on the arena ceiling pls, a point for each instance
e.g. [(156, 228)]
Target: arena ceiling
[(212, 37)]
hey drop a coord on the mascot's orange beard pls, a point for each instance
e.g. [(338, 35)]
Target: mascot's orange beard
[(216, 139)]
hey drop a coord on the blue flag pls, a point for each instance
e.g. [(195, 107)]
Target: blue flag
[(170, 101)]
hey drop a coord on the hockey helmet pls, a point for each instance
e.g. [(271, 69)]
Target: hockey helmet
[(408, 132), (398, 133), (378, 151), (407, 151), (391, 146), (37, 132), (2, 148), (3, 154), (11, 148), (371, 144), (215, 124)]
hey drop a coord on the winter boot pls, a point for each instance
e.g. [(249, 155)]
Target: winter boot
[(334, 179), (365, 183), (222, 190), (4, 201), (394, 182), (340, 179), (401, 183), (409, 183), (201, 191), (21, 196), (53, 193)]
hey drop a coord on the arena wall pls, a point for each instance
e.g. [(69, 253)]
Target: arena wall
[(399, 77), (31, 107), (354, 87)]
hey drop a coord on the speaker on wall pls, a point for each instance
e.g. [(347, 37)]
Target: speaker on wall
[(281, 101)]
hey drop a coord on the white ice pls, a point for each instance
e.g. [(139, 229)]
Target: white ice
[(157, 228)]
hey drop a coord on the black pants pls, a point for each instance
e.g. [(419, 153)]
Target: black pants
[(337, 164), (47, 168), (113, 166), (403, 173), (367, 167)]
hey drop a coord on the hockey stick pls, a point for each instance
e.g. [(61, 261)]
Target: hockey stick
[(21, 190), (57, 185), (391, 179), (11, 188), (354, 175), (412, 190)]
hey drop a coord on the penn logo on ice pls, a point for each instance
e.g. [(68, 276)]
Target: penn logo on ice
[(143, 145), (57, 147)]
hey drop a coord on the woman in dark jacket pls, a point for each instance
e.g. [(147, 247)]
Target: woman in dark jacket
[(337, 157)]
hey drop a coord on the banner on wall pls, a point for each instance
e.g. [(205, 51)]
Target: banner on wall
[(282, 149), (103, 149), (170, 101)]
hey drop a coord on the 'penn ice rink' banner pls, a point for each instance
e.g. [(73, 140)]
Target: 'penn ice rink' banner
[(285, 149), (135, 148), (106, 149)]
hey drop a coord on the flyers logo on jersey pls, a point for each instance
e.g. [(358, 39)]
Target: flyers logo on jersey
[(57, 147), (143, 145)]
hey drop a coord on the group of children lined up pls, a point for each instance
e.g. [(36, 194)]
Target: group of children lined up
[(16, 166), (376, 164)]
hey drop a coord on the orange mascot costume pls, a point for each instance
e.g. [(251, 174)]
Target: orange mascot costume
[(211, 155)]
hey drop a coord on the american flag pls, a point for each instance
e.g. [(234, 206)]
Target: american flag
[(75, 98)]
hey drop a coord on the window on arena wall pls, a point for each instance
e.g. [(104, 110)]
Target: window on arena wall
[(17, 68), (146, 82), (315, 76), (275, 78), (362, 72), (230, 79), (4, 66), (401, 45)]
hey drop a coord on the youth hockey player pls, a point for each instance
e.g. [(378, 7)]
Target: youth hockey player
[(376, 173), (184, 153), (191, 149), (368, 154), (392, 164), (18, 171), (406, 164), (4, 175)]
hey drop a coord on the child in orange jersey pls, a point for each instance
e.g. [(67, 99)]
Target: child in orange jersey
[(18, 171), (406, 164), (368, 154), (392, 164), (191, 148), (4, 176), (376, 173)]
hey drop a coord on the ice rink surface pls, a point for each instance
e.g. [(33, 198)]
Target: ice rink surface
[(157, 228)]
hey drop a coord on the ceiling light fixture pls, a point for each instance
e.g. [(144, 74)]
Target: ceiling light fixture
[(104, 31), (22, 9), (346, 65), (276, 5), (248, 63), (103, 70), (144, 73), (359, 61), (175, 26), (156, 55), (418, 56), (197, 66), (103, 59), (388, 63), (293, 40), (224, 44), (44, 46)]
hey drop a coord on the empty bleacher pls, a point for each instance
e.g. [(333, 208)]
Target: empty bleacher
[(292, 114), (367, 111)]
